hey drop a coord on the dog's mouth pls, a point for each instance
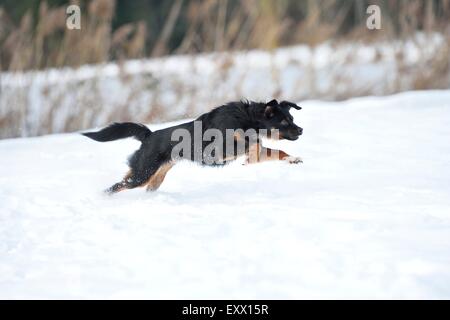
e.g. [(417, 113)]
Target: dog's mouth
[(293, 134), (292, 138)]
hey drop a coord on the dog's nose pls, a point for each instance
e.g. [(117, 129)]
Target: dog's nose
[(300, 130)]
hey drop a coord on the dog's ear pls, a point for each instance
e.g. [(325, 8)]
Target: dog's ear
[(288, 105), (270, 108), (272, 103), (269, 112)]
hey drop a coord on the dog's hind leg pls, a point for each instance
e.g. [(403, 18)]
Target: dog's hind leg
[(153, 179), (158, 177), (148, 167), (130, 181)]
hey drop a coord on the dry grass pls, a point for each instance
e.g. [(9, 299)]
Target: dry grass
[(211, 26), (47, 42)]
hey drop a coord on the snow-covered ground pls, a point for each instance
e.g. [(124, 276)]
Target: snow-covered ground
[(367, 215), (175, 87)]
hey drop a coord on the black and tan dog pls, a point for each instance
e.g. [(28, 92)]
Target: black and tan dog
[(149, 164)]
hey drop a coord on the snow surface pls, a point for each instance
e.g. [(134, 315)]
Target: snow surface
[(175, 87), (367, 215)]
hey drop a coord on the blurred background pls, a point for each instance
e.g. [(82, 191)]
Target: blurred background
[(153, 61)]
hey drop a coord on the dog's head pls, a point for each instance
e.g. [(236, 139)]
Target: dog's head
[(276, 116)]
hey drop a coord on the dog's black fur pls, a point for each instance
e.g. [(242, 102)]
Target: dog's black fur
[(149, 164)]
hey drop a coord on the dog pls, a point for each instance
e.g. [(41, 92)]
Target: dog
[(160, 151)]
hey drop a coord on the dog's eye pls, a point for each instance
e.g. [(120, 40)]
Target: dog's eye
[(284, 122)]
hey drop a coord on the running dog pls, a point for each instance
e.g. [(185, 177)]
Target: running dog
[(158, 152)]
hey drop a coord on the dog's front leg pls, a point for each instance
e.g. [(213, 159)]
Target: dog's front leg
[(257, 153)]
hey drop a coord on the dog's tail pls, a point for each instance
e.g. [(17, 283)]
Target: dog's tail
[(118, 131)]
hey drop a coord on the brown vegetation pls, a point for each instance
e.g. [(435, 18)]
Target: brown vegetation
[(43, 41)]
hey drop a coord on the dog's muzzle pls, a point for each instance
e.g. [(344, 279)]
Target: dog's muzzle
[(293, 134)]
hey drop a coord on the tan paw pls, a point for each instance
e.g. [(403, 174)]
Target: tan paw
[(292, 159)]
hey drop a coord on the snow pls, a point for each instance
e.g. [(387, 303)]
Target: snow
[(176, 87), (367, 215)]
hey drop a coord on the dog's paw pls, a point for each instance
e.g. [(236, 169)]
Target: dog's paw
[(292, 159)]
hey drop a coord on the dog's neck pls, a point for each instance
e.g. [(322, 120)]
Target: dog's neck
[(252, 112)]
